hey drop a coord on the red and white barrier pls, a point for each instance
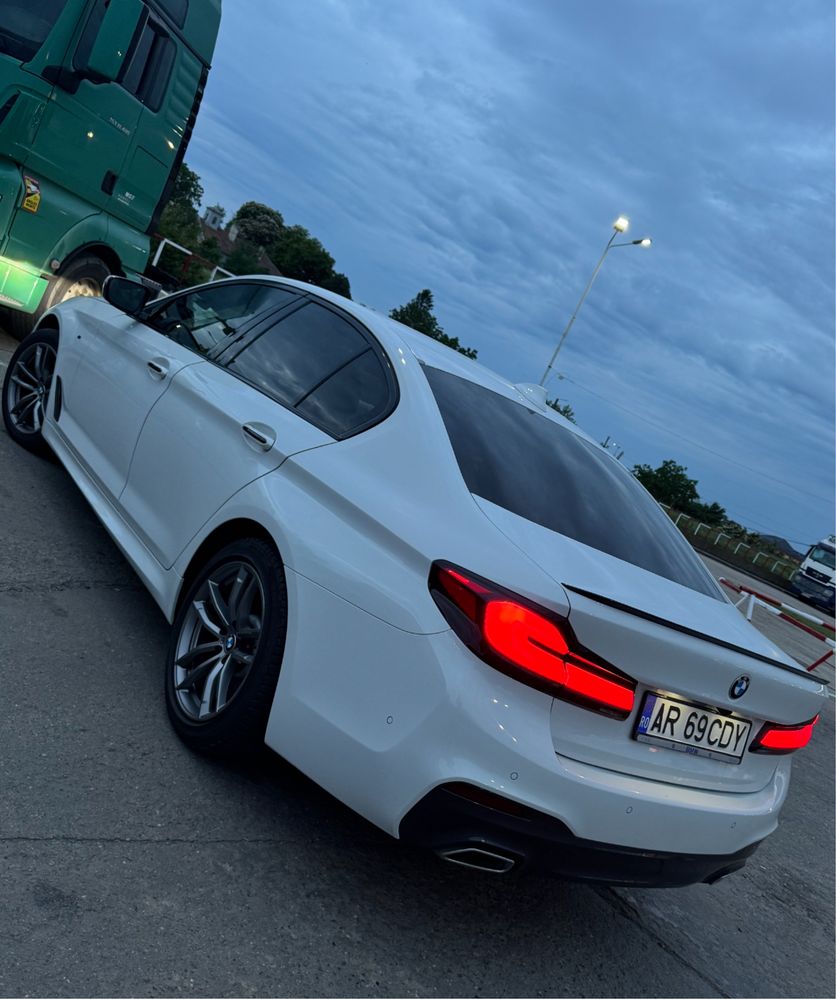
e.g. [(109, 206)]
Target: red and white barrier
[(779, 609)]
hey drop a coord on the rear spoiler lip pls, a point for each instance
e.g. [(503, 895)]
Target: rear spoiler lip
[(693, 633)]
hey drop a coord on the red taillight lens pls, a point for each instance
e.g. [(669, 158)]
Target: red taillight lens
[(527, 642), (774, 738)]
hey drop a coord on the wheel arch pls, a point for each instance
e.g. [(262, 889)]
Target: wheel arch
[(219, 537), (94, 249), (49, 321)]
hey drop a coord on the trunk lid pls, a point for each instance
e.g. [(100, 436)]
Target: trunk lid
[(673, 640)]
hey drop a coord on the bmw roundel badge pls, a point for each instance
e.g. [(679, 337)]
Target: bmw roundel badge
[(739, 687)]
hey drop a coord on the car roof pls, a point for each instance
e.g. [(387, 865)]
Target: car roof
[(426, 350), (394, 336)]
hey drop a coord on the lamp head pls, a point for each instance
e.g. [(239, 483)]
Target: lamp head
[(621, 224)]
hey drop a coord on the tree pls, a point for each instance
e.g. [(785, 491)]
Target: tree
[(565, 409), (669, 484), (210, 248), (180, 223), (709, 513), (258, 224), (244, 258), (300, 255), (338, 283), (179, 220), (418, 314)]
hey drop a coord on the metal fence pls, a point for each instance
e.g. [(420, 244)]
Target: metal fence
[(713, 540)]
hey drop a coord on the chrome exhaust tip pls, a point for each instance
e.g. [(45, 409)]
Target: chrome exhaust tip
[(479, 859)]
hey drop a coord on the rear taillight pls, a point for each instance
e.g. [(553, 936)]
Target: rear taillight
[(774, 738), (527, 642)]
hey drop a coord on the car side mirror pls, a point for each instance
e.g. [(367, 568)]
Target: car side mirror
[(126, 295), (117, 30)]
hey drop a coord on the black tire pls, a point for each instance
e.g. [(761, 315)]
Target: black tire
[(26, 390), (235, 714), (19, 324), (85, 274), (79, 276)]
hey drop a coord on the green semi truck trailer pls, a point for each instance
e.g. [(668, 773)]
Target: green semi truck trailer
[(97, 103)]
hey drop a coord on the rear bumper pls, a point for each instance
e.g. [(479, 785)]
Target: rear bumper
[(458, 828)]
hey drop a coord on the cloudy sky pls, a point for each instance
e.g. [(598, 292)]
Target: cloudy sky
[(483, 148)]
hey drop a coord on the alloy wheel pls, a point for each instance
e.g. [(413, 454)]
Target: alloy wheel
[(218, 640), (28, 387)]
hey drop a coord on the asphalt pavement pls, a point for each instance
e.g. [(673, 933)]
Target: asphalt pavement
[(130, 866)]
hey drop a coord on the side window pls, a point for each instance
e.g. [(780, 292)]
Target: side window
[(150, 67), (204, 319), (146, 75), (318, 364), (354, 396), (88, 35)]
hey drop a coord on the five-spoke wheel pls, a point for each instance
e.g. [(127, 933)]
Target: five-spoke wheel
[(26, 389), (226, 648)]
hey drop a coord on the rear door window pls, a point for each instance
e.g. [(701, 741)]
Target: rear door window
[(527, 463), (321, 365)]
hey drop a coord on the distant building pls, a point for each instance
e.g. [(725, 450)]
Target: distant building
[(213, 217), (210, 228)]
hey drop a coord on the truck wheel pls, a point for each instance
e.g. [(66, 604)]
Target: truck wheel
[(81, 277)]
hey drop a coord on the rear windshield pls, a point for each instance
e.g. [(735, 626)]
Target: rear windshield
[(528, 464)]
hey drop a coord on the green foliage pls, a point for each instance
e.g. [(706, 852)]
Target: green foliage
[(187, 188), (244, 258), (300, 255), (418, 314), (669, 484), (338, 283), (712, 514), (258, 224), (210, 249), (565, 409), (180, 223)]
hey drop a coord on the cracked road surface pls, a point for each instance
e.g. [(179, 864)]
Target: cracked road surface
[(132, 867)]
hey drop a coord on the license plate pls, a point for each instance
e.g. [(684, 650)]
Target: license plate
[(689, 729)]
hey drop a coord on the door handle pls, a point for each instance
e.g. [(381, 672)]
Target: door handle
[(259, 436), (158, 368)]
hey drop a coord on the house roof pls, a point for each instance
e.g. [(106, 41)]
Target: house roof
[(227, 245)]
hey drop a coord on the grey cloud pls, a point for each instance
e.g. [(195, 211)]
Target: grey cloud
[(482, 149)]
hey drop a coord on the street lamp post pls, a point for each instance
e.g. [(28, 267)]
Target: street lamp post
[(621, 225)]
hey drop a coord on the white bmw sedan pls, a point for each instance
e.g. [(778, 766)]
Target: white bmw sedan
[(428, 591)]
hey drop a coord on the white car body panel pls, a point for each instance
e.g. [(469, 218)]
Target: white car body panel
[(378, 700), (454, 718), (178, 479), (108, 372)]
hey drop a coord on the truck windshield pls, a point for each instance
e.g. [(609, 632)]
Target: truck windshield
[(824, 555), (24, 25)]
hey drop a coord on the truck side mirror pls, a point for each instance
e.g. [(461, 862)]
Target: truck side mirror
[(126, 295), (110, 49)]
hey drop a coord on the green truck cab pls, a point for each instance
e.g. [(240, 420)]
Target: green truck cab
[(97, 103)]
